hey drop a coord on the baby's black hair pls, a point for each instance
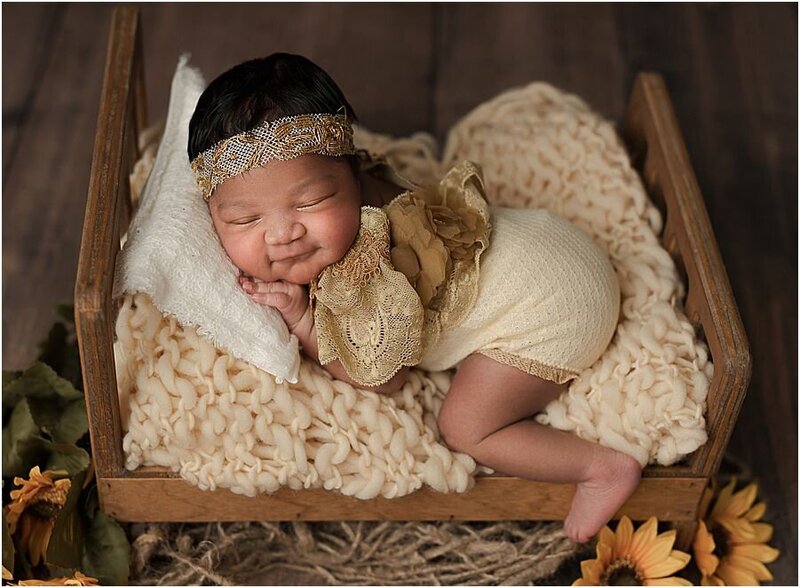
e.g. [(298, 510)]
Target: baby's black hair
[(261, 90)]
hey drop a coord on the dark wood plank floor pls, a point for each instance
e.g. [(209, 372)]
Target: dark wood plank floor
[(731, 71)]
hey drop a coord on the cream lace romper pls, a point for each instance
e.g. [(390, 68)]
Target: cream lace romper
[(437, 275)]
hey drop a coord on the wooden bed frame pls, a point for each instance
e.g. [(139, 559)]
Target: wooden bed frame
[(673, 493)]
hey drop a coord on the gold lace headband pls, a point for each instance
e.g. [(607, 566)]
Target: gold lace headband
[(283, 138)]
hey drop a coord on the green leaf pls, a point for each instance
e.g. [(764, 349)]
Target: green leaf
[(91, 503), (107, 556), (43, 382), (64, 421), (66, 543), (12, 393), (56, 571), (23, 448), (8, 547), (55, 404), (60, 351), (8, 377), (68, 457)]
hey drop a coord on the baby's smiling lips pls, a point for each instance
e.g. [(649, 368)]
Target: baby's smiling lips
[(291, 258)]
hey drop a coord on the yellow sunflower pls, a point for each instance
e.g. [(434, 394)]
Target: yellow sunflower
[(77, 580), (642, 558), (33, 510), (730, 544)]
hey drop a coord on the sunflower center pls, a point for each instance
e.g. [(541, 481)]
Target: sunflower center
[(621, 572), (49, 502), (44, 509), (722, 540)]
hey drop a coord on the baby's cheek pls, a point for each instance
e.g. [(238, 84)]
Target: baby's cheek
[(243, 255)]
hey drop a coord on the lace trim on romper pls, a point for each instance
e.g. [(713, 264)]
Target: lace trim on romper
[(367, 314)]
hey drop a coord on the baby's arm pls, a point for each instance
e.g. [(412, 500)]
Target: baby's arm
[(291, 300)]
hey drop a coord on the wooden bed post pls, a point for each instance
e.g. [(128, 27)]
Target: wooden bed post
[(658, 150), (122, 115)]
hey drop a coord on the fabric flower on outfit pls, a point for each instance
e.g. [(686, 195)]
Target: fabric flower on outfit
[(461, 229), (417, 251), (642, 558), (730, 544), (34, 509)]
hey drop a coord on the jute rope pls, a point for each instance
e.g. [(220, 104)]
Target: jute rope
[(350, 553), (359, 553)]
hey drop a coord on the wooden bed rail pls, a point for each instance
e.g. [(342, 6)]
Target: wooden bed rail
[(121, 118), (658, 151)]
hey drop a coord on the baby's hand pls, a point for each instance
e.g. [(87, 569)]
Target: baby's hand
[(291, 300)]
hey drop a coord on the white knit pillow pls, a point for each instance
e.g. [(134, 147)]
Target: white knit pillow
[(172, 253)]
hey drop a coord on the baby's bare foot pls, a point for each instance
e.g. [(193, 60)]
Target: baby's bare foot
[(612, 478)]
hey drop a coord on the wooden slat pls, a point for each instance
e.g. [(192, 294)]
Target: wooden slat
[(550, 42), (386, 78), (652, 130), (45, 189), (24, 64), (495, 498), (113, 157)]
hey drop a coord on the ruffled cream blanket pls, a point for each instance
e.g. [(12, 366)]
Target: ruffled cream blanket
[(220, 422)]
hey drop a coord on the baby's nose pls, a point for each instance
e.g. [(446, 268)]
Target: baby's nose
[(281, 233)]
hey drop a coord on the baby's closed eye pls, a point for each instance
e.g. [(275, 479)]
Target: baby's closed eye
[(314, 202), (244, 220)]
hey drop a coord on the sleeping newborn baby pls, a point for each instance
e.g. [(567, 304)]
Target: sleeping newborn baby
[(374, 275)]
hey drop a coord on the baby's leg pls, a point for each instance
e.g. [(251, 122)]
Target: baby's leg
[(486, 415)]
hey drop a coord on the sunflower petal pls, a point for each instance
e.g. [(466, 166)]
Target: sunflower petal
[(703, 540), (757, 551), (671, 581), (733, 576), (676, 561), (712, 581), (656, 553), (763, 533), (591, 570), (642, 537), (724, 497), (707, 563), (604, 553), (758, 569), (624, 536), (741, 530), (705, 501), (741, 502), (755, 513), (703, 547), (606, 537)]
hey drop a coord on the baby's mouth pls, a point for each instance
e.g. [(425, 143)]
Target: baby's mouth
[(293, 258)]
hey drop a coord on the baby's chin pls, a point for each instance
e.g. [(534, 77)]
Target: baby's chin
[(302, 274)]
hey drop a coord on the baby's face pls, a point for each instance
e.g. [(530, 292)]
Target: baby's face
[(289, 219)]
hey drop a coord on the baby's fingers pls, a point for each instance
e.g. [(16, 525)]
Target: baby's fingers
[(253, 287), (277, 300)]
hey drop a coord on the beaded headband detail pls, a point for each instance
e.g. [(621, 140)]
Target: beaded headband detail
[(284, 138)]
